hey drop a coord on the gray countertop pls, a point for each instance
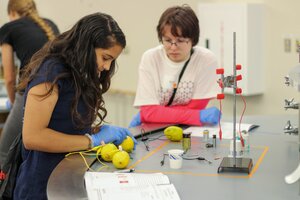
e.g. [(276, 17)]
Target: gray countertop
[(274, 155)]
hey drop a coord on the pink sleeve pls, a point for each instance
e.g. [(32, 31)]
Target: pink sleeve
[(198, 104), (187, 114)]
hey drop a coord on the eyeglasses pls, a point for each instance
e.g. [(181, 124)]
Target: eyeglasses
[(180, 43)]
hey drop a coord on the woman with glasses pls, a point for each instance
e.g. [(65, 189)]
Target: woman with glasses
[(177, 79)]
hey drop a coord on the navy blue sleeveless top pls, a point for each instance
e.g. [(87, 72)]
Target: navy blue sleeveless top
[(37, 166)]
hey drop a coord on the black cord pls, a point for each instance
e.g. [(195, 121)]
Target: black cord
[(144, 139), (143, 134), (147, 146), (196, 157), (179, 78), (162, 162), (156, 138)]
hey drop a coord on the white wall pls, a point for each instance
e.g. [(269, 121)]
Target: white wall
[(138, 19)]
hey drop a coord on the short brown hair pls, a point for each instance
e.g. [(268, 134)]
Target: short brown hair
[(182, 17)]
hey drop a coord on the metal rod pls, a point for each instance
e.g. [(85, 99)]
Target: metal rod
[(299, 125), (298, 48), (299, 138), (234, 98)]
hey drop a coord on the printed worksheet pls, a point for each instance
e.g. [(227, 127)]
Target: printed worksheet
[(129, 186)]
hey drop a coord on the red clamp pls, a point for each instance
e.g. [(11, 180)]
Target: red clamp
[(221, 83), (238, 90), (220, 71), (238, 67), (220, 96), (238, 77), (2, 176)]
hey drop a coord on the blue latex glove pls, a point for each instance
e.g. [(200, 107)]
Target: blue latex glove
[(8, 105), (210, 115), (114, 134), (136, 120)]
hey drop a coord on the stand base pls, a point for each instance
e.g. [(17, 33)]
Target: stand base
[(242, 165)]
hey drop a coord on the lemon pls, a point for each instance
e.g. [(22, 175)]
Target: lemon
[(173, 133), (121, 159), (127, 144), (108, 151)]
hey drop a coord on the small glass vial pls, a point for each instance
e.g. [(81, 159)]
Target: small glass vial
[(214, 140), (186, 141), (205, 135)]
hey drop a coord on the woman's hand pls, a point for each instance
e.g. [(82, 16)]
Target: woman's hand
[(111, 134), (210, 115)]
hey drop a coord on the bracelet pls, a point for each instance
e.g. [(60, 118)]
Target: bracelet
[(91, 144)]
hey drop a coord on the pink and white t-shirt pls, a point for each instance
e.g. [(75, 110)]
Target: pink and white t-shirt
[(157, 74)]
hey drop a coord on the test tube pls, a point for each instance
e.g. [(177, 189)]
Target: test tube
[(186, 141), (205, 135)]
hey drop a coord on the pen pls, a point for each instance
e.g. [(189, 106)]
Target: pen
[(125, 171)]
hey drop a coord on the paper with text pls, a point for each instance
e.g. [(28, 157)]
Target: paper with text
[(129, 186), (227, 129)]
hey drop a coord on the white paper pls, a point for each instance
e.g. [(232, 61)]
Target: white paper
[(3, 101), (227, 129), (101, 185), (144, 192)]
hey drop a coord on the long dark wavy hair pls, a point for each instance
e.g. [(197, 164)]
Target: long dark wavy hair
[(76, 50)]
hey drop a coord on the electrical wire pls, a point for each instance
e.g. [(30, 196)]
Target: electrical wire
[(91, 152), (162, 162), (146, 139), (156, 138), (220, 128), (191, 157), (196, 157), (244, 109)]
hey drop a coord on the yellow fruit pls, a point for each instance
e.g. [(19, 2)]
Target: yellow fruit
[(121, 159), (173, 133), (108, 151), (127, 144)]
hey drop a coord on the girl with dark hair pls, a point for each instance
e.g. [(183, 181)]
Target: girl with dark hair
[(64, 85), (177, 79), (25, 34)]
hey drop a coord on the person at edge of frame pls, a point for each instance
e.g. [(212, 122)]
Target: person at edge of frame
[(24, 35)]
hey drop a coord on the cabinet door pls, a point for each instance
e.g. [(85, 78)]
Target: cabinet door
[(217, 24)]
